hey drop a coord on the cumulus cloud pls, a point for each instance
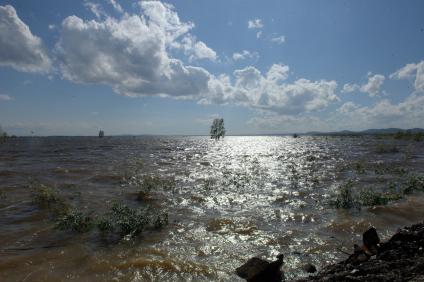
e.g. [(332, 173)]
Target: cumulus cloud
[(279, 39), (350, 87), (19, 48), (408, 113), (245, 55), (347, 107), (255, 24), (414, 72), (196, 50), (270, 92), (95, 8), (4, 97), (371, 87), (259, 34), (116, 6), (131, 54)]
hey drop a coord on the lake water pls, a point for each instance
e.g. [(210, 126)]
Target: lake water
[(233, 199)]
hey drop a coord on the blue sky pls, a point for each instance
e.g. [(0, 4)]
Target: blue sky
[(129, 67)]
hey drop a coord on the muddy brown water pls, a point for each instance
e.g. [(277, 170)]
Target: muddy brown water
[(233, 199)]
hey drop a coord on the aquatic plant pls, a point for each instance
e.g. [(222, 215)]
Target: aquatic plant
[(372, 198), (75, 221), (359, 167), (47, 197), (344, 197), (155, 183), (386, 149), (130, 221), (413, 183)]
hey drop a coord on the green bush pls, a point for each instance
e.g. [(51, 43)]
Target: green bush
[(413, 183), (48, 197), (371, 198), (344, 197), (75, 221), (386, 149)]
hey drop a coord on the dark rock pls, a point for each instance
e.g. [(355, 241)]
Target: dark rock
[(310, 268), (252, 267), (371, 241), (398, 259), (258, 270)]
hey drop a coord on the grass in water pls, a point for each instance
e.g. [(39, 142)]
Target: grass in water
[(75, 221), (386, 149)]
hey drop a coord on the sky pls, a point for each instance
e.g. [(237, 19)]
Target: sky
[(150, 67)]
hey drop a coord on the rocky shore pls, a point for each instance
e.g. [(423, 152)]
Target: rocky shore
[(401, 258)]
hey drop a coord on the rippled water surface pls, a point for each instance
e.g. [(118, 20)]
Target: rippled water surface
[(233, 199)]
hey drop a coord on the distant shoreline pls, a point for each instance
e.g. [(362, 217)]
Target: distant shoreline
[(368, 132)]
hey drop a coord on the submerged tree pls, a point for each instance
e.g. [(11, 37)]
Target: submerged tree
[(3, 135), (217, 129)]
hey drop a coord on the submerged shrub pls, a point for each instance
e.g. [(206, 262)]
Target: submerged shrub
[(48, 197), (130, 221), (372, 198), (344, 197), (359, 167), (161, 221), (386, 149), (153, 183), (75, 221), (413, 183)]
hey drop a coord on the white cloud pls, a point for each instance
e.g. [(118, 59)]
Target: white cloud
[(347, 107), (372, 87), (95, 8), (279, 39), (350, 87), (412, 71), (383, 114), (51, 26), (245, 55), (132, 54), (19, 48), (269, 92), (408, 113), (255, 23), (278, 72), (4, 97), (196, 50), (116, 6), (259, 34)]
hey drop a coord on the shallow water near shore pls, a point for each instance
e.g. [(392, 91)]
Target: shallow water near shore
[(233, 199)]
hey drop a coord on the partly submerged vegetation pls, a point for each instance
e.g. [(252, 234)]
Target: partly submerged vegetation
[(350, 196), (3, 135), (120, 219), (217, 129)]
